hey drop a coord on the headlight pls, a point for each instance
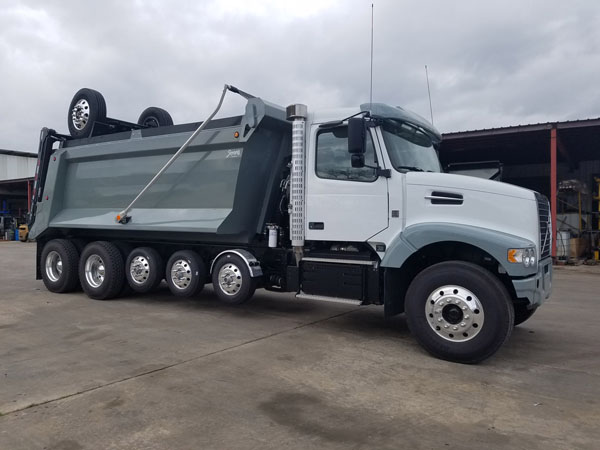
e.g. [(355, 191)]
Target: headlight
[(525, 256)]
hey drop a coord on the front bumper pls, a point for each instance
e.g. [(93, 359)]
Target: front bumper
[(538, 287)]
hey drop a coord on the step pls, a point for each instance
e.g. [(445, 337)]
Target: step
[(323, 298)]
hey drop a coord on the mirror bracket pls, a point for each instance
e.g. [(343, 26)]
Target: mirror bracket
[(386, 173)]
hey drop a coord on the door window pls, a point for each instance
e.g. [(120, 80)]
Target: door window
[(334, 161)]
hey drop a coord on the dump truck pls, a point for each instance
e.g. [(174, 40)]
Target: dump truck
[(345, 205)]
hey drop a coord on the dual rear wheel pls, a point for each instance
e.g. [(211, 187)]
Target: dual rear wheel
[(106, 270), (186, 275)]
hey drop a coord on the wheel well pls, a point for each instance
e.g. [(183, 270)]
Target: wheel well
[(398, 279)]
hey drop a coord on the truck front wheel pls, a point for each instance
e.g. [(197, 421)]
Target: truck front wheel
[(101, 270), (459, 311), (231, 280)]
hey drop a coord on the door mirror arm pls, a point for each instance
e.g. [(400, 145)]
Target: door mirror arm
[(387, 173)]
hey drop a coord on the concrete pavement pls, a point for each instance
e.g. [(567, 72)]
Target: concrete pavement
[(158, 372)]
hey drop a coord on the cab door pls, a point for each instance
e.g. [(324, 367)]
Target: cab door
[(343, 203)]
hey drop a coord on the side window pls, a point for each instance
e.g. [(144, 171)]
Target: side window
[(333, 159)]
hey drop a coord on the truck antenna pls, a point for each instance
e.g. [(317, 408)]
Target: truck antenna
[(429, 93), (371, 89)]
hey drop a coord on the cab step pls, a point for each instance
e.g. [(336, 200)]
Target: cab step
[(322, 298)]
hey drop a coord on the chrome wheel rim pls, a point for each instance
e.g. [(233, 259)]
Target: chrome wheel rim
[(54, 266), (181, 274), (80, 114), (230, 279), (139, 269), (454, 313), (94, 271)]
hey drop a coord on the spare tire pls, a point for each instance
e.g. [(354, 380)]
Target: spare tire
[(86, 108), (155, 117)]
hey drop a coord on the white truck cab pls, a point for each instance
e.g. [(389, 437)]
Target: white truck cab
[(387, 189)]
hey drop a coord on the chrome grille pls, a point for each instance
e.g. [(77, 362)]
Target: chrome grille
[(545, 225)]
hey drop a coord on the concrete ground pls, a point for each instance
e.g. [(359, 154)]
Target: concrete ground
[(158, 372)]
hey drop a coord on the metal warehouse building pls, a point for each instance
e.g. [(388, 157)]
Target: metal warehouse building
[(17, 170), (560, 160)]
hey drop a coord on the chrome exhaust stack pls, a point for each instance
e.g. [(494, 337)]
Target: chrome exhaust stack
[(297, 113)]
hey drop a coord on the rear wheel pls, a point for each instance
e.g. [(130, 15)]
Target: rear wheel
[(86, 108), (144, 269), (58, 264), (185, 273), (522, 313), (101, 270), (459, 311), (231, 280)]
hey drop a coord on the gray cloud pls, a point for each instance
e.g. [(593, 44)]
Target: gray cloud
[(490, 63)]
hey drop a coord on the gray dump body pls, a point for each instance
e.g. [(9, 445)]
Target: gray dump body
[(221, 189)]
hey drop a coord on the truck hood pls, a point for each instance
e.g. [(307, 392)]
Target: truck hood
[(484, 204), (463, 182)]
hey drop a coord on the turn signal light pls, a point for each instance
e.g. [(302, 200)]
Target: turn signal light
[(526, 256)]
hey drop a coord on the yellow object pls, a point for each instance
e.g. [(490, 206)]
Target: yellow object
[(23, 233)]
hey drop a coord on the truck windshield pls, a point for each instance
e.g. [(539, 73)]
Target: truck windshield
[(410, 149)]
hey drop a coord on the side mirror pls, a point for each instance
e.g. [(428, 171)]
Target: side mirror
[(357, 133), (357, 160)]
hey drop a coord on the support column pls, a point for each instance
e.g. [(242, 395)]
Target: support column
[(553, 186), (28, 196)]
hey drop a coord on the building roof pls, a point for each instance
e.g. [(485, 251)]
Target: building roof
[(566, 124), (577, 140), (18, 153)]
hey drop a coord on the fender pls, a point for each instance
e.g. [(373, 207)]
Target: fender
[(251, 262), (493, 242)]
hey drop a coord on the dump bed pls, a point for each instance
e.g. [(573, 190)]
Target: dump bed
[(222, 189)]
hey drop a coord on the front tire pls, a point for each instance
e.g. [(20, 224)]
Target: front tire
[(459, 312), (101, 270), (58, 263), (232, 281)]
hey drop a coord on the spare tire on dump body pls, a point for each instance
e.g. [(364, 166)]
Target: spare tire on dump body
[(155, 117), (87, 107)]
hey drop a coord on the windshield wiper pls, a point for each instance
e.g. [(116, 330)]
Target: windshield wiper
[(410, 168)]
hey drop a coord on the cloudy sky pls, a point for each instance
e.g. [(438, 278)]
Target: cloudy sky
[(491, 63)]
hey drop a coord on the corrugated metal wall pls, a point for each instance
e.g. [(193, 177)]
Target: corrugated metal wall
[(16, 167)]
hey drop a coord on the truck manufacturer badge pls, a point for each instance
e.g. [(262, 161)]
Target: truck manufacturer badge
[(234, 153)]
